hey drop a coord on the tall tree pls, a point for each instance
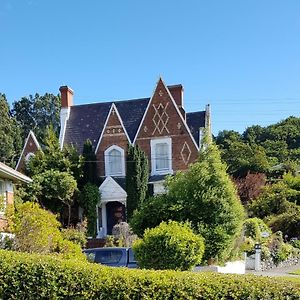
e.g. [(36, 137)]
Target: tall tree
[(136, 178), (203, 195), (37, 113), (10, 140)]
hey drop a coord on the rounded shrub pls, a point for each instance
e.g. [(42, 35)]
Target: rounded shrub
[(170, 245)]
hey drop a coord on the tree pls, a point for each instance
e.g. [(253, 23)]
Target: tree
[(250, 187), (136, 178), (90, 164), (170, 245), (205, 196), (89, 198), (37, 113), (10, 140)]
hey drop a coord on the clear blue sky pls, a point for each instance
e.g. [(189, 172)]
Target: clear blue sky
[(242, 57)]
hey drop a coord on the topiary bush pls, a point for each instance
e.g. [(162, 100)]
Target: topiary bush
[(34, 277), (170, 245)]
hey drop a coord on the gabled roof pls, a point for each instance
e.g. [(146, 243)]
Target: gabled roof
[(87, 121), (8, 173), (195, 120)]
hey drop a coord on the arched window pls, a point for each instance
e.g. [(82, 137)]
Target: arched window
[(114, 161)]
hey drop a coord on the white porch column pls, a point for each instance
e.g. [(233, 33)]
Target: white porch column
[(104, 220)]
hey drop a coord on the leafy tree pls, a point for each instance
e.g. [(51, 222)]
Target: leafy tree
[(89, 198), (205, 196), (136, 178), (170, 245), (90, 174), (10, 140), (37, 113), (250, 187)]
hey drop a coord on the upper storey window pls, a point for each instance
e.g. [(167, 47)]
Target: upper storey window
[(114, 161), (161, 156)]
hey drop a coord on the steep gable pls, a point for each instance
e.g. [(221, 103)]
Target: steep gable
[(113, 134), (30, 147), (163, 118)]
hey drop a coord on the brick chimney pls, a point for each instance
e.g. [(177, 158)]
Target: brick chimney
[(177, 94), (66, 96)]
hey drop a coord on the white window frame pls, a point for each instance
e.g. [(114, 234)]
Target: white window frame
[(153, 144), (106, 160)]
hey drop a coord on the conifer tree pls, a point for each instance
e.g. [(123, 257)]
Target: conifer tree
[(136, 178)]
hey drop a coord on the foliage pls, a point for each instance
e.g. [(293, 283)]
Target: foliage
[(136, 179), (37, 231), (77, 234), (37, 113), (274, 145), (254, 227), (287, 223), (10, 139), (250, 187), (170, 245), (27, 276), (89, 198), (89, 165), (203, 195)]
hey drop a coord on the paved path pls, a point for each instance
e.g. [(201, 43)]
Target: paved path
[(284, 271)]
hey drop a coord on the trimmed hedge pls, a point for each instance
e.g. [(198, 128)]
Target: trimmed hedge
[(31, 276)]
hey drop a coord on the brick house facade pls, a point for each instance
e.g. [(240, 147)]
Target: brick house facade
[(168, 135), (159, 125)]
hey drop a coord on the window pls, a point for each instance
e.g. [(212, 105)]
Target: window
[(161, 156), (28, 157), (114, 161)]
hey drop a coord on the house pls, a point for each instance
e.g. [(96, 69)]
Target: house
[(31, 145), (159, 125), (8, 177)]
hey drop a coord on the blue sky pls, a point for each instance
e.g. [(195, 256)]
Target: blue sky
[(242, 57)]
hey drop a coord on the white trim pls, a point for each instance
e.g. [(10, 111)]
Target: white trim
[(177, 109), (28, 156), (26, 141), (153, 143), (113, 106), (145, 113), (64, 117), (106, 162), (13, 174)]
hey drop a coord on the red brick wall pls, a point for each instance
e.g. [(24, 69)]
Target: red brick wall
[(29, 147), (184, 150), (113, 135)]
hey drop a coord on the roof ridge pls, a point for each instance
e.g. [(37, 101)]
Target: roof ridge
[(114, 101)]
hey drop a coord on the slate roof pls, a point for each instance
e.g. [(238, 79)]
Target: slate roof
[(195, 120), (87, 121)]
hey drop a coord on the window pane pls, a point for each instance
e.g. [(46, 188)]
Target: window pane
[(162, 156), (115, 162)]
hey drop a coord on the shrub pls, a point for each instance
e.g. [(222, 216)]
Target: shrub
[(203, 195), (169, 246), (34, 277), (76, 235), (254, 227), (37, 231)]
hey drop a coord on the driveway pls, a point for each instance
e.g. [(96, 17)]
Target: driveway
[(284, 271)]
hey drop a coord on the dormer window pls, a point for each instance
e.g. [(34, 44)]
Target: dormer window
[(161, 156), (114, 161)]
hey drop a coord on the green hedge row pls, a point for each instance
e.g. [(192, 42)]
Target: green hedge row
[(27, 276)]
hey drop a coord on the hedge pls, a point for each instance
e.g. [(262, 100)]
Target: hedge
[(31, 276)]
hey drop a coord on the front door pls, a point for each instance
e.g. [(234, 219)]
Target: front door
[(115, 212)]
